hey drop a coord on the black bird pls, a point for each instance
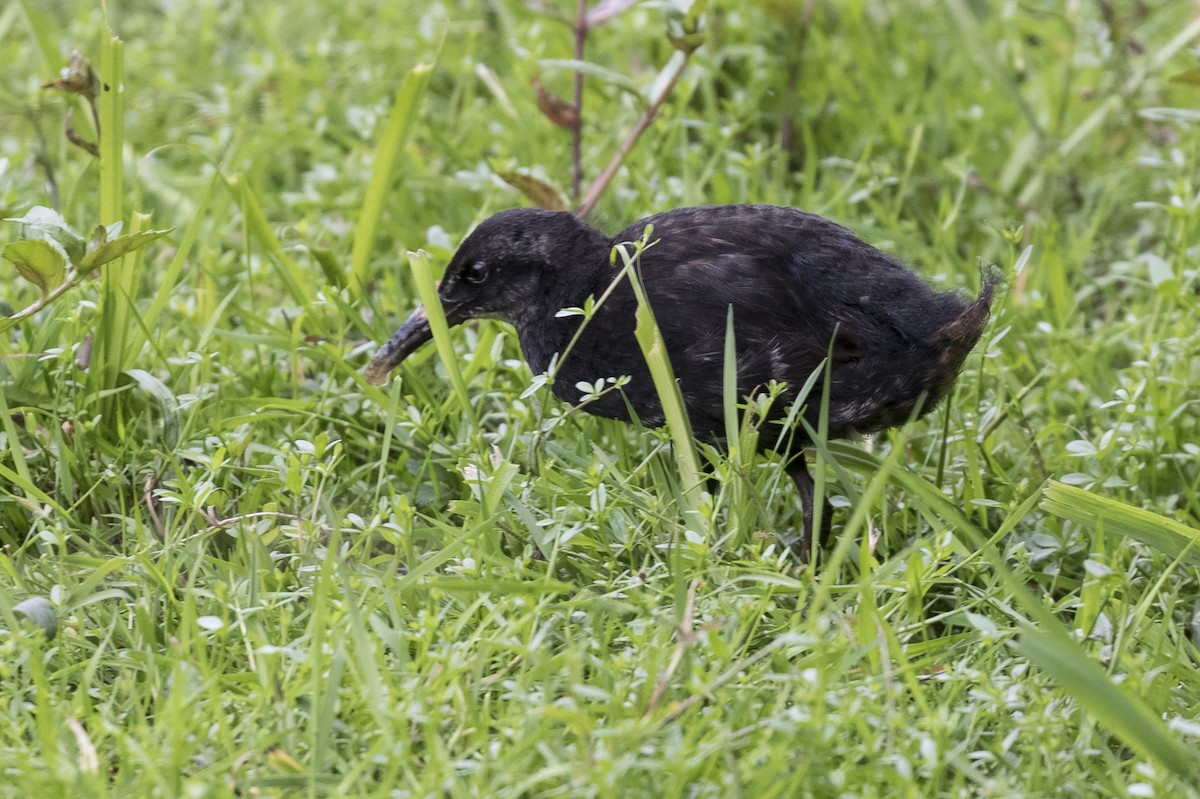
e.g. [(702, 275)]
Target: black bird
[(801, 288)]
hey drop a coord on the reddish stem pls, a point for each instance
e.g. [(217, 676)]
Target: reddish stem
[(581, 31), (651, 111)]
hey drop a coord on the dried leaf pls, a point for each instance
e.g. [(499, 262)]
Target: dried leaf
[(78, 77), (539, 192), (556, 109), (74, 137)]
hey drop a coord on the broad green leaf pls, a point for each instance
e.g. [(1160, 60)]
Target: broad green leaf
[(502, 478), (46, 223), (39, 611), (118, 248), (1168, 536), (43, 263), (167, 402)]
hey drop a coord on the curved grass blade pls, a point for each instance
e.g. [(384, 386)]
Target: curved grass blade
[(1161, 533)]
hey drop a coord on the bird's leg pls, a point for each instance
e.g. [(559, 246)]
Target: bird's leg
[(802, 545)]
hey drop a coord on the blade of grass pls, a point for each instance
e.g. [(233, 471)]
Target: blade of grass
[(739, 509), (163, 296), (14, 440), (293, 277), (117, 319), (1157, 532), (112, 128), (729, 388), (1126, 716), (654, 349), (118, 286), (427, 291), (1051, 647), (395, 134)]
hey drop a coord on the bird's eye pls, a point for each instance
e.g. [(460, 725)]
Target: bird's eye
[(477, 273)]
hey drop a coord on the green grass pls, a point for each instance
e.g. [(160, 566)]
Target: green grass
[(271, 578)]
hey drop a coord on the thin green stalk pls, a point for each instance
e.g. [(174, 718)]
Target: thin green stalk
[(120, 281)]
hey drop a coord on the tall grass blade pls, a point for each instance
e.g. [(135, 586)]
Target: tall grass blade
[(119, 284), (399, 127), (654, 349), (427, 291), (1126, 716), (293, 277), (729, 388), (112, 129)]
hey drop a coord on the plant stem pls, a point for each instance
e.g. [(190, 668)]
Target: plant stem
[(581, 31), (679, 63), (70, 281)]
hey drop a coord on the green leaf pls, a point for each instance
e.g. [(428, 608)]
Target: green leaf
[(1191, 77), (167, 402), (427, 291), (595, 70), (43, 263), (330, 267), (654, 350), (39, 611), (46, 223), (118, 248), (1168, 536), (1127, 716), (399, 127)]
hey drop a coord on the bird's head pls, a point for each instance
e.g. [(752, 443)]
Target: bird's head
[(508, 268)]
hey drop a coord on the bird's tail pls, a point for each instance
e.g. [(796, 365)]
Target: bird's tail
[(958, 337)]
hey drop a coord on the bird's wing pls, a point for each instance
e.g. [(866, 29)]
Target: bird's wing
[(745, 258)]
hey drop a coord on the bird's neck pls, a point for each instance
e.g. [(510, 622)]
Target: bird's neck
[(543, 329)]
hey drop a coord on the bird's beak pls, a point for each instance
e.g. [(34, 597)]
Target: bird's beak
[(412, 334)]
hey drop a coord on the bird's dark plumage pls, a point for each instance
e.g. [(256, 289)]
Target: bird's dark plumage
[(800, 287)]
